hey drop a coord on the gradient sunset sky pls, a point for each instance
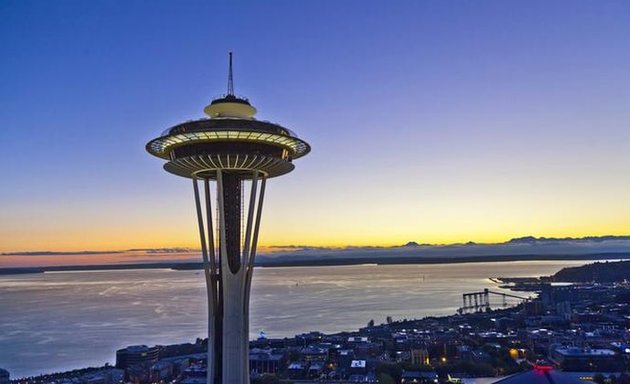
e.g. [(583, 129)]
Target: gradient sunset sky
[(432, 121)]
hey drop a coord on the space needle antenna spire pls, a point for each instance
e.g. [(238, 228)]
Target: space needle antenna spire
[(230, 87)]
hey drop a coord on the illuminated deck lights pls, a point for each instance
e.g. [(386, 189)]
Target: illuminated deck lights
[(162, 146)]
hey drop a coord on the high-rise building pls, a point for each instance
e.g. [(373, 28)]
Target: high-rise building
[(136, 354), (237, 153)]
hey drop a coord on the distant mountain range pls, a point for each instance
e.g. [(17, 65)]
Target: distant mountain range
[(539, 240), (522, 248), (607, 243)]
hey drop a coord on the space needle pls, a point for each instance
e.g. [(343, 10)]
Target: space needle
[(235, 153)]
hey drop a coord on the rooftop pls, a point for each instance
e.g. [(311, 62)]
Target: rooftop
[(572, 351), (540, 377)]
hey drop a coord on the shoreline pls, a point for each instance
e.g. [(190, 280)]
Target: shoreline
[(185, 266), (419, 309)]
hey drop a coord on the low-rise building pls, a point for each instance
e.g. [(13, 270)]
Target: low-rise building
[(419, 377), (266, 361), (297, 370), (585, 359)]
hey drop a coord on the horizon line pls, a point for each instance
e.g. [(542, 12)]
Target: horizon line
[(280, 248)]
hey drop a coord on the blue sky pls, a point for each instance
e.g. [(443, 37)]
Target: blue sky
[(434, 121)]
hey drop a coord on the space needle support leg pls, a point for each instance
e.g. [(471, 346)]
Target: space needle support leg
[(212, 366), (211, 247), (245, 264), (250, 220), (249, 271), (209, 290), (252, 256)]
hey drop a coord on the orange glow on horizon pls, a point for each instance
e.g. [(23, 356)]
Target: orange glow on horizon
[(272, 243)]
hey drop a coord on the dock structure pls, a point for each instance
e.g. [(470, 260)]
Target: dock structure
[(474, 302)]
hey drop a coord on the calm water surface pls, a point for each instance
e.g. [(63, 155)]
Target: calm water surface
[(59, 321)]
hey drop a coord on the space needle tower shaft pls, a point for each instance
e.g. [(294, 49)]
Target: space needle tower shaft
[(233, 154)]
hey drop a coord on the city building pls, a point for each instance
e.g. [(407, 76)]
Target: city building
[(136, 354), (297, 370), (236, 152), (585, 359), (266, 361), (419, 356), (419, 377)]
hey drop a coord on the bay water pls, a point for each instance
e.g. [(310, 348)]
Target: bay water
[(59, 321)]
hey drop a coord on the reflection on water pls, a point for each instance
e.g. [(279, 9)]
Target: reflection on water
[(57, 321)]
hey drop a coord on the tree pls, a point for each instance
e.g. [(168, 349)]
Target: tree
[(266, 379), (294, 355), (416, 367), (623, 379), (392, 370), (474, 369), (384, 378), (371, 323)]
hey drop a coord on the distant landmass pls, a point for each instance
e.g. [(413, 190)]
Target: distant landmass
[(607, 272), (522, 248)]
